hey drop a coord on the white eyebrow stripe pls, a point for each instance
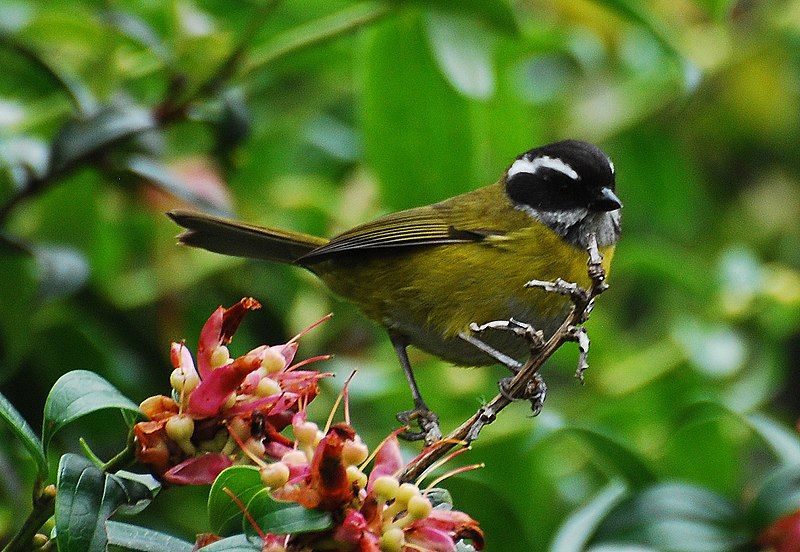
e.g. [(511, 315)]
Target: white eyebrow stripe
[(524, 165), (610, 164)]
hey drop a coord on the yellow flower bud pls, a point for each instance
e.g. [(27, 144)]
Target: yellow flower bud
[(392, 540), (220, 356), (231, 402), (268, 387), (353, 453), (274, 475), (183, 381), (179, 428), (405, 492), (419, 507), (355, 475), (295, 458), (386, 487), (305, 433), (273, 361)]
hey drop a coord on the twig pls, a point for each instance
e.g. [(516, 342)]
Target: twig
[(43, 508), (524, 384)]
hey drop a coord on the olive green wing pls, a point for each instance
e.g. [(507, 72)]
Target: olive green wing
[(423, 226)]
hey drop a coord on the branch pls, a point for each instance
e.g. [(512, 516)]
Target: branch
[(525, 383), (43, 508)]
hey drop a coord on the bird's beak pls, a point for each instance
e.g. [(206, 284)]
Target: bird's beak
[(607, 200)]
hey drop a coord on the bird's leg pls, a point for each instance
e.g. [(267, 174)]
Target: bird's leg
[(427, 420), (505, 360)]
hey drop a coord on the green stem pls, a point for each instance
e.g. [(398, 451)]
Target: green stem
[(43, 508), (123, 458)]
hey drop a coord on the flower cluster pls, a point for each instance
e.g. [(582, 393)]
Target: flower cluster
[(223, 405), (227, 411), (371, 513)]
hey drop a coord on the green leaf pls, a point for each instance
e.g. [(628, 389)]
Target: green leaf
[(497, 13), (77, 394), (136, 489), (223, 513), (778, 496), (81, 137), (579, 527), (314, 32), (78, 502), (427, 111), (676, 517), (463, 51), (24, 433), (158, 175), (283, 518), (87, 497), (638, 13), (61, 270), (141, 539), (139, 31), (609, 454), (784, 442), (236, 543), (79, 94)]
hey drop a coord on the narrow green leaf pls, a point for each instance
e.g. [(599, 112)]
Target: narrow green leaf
[(82, 99), (24, 433), (463, 51), (608, 454), (139, 31), (428, 111), (314, 32), (784, 442), (81, 137), (284, 518), (679, 517), (77, 394), (577, 530), (223, 513), (497, 13), (158, 175), (61, 270), (140, 539)]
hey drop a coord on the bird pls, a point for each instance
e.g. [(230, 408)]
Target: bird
[(427, 273)]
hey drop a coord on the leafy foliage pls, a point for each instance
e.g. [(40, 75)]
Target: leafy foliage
[(319, 115)]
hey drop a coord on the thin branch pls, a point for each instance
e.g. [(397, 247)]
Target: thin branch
[(524, 384), (43, 508)]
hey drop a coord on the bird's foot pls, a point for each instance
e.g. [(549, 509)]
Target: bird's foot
[(535, 391), (581, 337), (428, 423), (534, 338)]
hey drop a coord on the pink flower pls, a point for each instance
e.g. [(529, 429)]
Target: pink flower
[(224, 402)]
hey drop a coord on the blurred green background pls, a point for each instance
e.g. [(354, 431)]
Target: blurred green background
[(316, 115)]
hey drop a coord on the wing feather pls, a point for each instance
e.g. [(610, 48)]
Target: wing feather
[(423, 226)]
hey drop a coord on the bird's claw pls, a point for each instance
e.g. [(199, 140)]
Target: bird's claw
[(428, 423), (535, 391)]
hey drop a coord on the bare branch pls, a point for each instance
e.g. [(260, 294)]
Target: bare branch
[(527, 383)]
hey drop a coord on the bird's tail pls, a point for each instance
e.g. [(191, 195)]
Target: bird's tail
[(242, 240)]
